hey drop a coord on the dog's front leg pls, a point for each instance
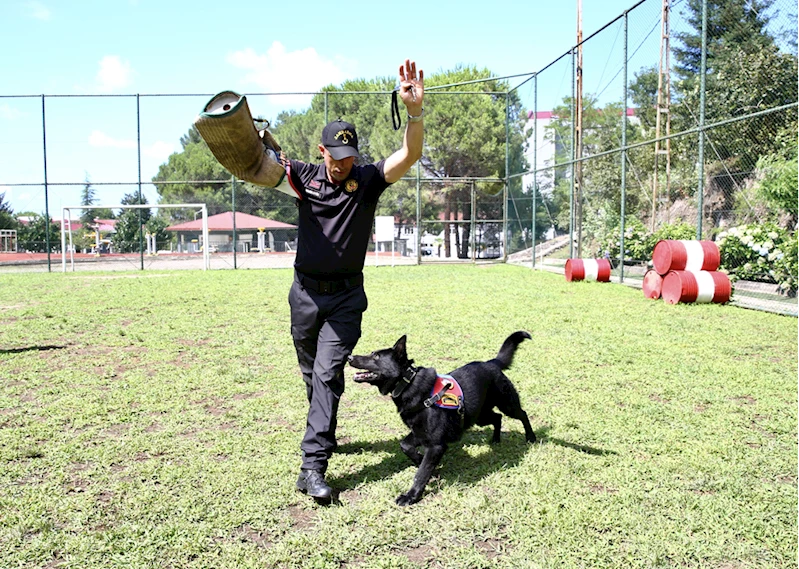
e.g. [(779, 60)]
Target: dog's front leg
[(408, 446), (432, 456)]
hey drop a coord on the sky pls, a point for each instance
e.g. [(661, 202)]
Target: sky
[(76, 50)]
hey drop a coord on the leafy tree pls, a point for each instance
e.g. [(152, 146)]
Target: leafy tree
[(737, 22), (128, 234), (7, 220), (464, 137), (213, 185), (778, 180), (195, 162), (156, 226), (87, 197), (33, 236)]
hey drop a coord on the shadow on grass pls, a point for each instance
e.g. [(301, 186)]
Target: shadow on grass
[(30, 349), (544, 438), (457, 463)]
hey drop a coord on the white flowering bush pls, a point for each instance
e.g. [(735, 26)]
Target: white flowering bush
[(639, 243), (764, 252)]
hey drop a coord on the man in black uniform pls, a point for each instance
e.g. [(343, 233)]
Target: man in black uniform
[(337, 202)]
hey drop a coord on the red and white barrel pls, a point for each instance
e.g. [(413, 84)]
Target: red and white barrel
[(696, 286), (685, 255), (588, 270), (653, 284)]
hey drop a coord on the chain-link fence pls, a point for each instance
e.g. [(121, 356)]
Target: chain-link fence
[(661, 127), (676, 120)]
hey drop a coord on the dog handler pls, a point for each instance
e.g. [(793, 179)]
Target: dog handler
[(337, 208)]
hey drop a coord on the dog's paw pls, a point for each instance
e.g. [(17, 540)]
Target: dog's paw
[(407, 499)]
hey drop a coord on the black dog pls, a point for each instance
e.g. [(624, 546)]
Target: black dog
[(437, 409)]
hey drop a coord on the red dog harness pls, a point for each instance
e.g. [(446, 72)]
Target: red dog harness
[(446, 394)]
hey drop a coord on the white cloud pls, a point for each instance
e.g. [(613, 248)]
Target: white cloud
[(159, 150), (280, 71), (99, 139), (9, 112), (113, 74), (38, 10)]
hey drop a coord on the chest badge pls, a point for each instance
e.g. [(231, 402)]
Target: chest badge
[(351, 185)]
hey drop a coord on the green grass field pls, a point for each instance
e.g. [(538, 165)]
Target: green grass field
[(154, 420)]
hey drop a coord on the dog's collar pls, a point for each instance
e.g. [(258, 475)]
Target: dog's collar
[(405, 380)]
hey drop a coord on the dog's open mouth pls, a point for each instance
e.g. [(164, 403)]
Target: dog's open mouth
[(361, 376)]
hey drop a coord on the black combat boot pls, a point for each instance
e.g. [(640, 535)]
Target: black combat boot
[(312, 482)]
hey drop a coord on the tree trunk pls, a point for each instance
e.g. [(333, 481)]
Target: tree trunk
[(467, 227), (447, 213)]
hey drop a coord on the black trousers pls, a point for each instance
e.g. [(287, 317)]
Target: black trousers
[(325, 328)]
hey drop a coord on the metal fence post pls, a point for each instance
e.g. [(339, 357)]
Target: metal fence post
[(506, 189), (46, 196), (702, 85), (233, 206), (138, 152), (535, 157), (418, 212), (573, 157), (623, 155)]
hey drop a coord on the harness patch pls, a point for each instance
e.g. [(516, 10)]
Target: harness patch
[(447, 394)]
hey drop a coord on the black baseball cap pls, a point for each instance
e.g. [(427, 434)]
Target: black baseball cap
[(340, 139)]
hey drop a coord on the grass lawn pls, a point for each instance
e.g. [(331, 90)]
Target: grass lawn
[(154, 420)]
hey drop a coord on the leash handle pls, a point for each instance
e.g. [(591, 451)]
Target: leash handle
[(396, 119)]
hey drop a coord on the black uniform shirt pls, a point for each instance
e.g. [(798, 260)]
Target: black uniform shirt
[(335, 219)]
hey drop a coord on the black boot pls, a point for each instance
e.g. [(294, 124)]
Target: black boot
[(312, 482)]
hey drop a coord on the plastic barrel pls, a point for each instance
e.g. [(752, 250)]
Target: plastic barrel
[(684, 255), (696, 286), (588, 270), (653, 284)]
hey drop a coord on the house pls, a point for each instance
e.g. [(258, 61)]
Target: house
[(253, 233)]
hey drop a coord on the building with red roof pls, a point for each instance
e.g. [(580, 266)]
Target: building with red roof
[(252, 233)]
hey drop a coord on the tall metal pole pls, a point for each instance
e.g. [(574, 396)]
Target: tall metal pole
[(46, 197), (535, 155), (702, 85), (573, 156), (138, 151), (623, 154), (578, 181), (506, 189)]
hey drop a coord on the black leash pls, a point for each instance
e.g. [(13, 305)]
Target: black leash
[(396, 119)]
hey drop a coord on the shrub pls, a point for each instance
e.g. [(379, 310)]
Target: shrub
[(764, 252), (638, 242)]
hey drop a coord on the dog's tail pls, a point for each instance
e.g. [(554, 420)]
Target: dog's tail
[(505, 356)]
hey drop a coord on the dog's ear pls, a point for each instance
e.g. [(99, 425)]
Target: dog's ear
[(399, 347)]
